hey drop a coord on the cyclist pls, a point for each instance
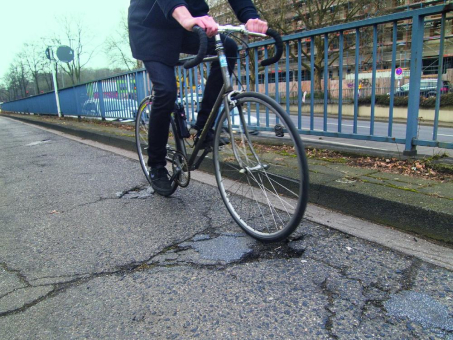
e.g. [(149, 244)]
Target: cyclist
[(158, 31)]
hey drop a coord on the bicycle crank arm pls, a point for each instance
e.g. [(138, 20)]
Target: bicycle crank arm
[(197, 164), (259, 167), (175, 175)]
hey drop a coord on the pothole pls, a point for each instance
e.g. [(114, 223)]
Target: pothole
[(204, 249), (224, 249), (136, 193)]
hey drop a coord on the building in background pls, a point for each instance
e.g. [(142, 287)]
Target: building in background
[(294, 16)]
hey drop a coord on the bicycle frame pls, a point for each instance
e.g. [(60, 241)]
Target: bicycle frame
[(224, 95)]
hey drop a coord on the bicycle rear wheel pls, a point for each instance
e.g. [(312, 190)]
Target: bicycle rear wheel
[(263, 181), (174, 143)]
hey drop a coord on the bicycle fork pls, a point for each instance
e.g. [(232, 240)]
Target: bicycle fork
[(244, 168)]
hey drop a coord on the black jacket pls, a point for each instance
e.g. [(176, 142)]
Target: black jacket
[(155, 35)]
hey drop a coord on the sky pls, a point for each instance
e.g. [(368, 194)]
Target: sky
[(30, 20)]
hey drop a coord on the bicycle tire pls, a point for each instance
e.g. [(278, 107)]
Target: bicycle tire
[(174, 143), (267, 194)]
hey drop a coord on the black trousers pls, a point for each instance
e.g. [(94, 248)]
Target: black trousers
[(163, 79)]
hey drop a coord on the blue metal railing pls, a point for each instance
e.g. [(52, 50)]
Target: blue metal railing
[(321, 105)]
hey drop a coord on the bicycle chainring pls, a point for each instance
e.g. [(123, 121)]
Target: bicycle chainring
[(181, 168)]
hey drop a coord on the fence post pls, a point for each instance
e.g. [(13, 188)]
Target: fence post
[(78, 106), (413, 106), (140, 86), (101, 99)]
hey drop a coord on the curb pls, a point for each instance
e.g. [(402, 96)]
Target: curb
[(429, 223), (354, 200)]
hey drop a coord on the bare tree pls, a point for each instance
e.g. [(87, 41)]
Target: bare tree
[(118, 50), (75, 34), (4, 95), (46, 76), (222, 12), (33, 56), (22, 76), (12, 83), (290, 16), (17, 79)]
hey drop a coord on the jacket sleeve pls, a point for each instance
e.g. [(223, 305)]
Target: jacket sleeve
[(244, 10), (168, 6)]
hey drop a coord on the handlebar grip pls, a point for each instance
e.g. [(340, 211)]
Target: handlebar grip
[(278, 45), (201, 50)]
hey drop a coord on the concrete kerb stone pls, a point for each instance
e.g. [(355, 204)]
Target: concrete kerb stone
[(398, 208), (334, 188)]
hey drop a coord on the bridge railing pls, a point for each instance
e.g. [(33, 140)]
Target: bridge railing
[(340, 100)]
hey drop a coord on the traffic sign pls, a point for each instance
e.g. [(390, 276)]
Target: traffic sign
[(399, 73), (65, 54), (49, 53)]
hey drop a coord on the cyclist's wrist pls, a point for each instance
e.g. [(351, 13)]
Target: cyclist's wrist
[(183, 17)]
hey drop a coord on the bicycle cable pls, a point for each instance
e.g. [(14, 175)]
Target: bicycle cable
[(246, 53)]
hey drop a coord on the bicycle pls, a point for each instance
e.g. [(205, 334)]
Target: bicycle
[(265, 192)]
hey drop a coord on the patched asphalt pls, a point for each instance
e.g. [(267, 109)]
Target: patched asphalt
[(88, 251)]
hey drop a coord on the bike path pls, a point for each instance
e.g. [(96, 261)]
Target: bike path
[(87, 251), (420, 206)]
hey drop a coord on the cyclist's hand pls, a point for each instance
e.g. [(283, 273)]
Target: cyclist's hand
[(208, 23), (186, 20), (257, 26)]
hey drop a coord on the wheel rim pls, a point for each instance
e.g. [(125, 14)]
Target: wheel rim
[(141, 136), (263, 186)]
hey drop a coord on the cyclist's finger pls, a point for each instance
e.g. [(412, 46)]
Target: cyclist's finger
[(209, 25), (256, 25)]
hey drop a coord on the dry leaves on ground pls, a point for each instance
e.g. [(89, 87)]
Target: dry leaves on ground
[(410, 167)]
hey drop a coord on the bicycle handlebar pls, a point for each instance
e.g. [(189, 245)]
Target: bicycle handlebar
[(201, 50), (228, 28), (278, 45)]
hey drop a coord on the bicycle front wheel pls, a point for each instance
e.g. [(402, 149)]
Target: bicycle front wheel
[(141, 139), (263, 180)]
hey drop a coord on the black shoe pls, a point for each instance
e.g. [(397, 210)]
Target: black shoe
[(209, 140), (160, 181)]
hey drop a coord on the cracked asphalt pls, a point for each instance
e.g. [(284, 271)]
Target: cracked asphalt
[(87, 251)]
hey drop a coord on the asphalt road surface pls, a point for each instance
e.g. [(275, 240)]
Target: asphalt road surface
[(87, 251)]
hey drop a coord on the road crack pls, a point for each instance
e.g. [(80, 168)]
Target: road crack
[(16, 272)]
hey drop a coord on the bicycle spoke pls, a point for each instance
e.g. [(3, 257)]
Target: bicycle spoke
[(262, 214), (266, 199), (272, 209)]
